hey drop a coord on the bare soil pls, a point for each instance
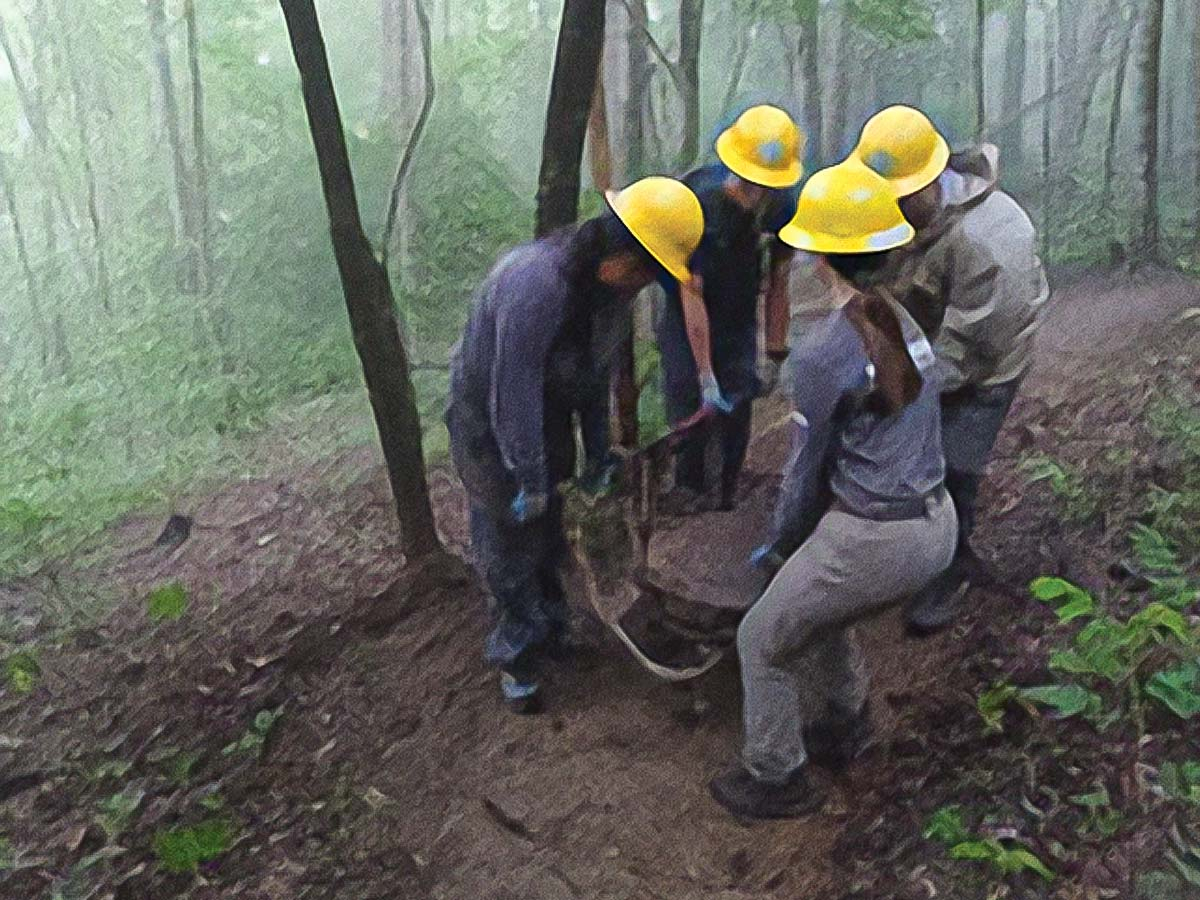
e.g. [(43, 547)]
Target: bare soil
[(393, 771)]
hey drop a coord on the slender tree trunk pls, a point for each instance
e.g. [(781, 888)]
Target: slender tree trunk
[(810, 51), (200, 153), (60, 351), (367, 290), (1114, 114), (1050, 54), (1196, 112), (183, 207), (638, 97), (1014, 86), (599, 145), (691, 22), (839, 95), (31, 284), (1150, 60), (83, 127), (576, 65), (737, 67), (980, 69)]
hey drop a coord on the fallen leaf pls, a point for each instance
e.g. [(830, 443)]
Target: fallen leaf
[(375, 798), (266, 539)]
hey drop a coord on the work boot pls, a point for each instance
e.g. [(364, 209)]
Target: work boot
[(749, 798), (839, 737), (937, 608), (521, 690)]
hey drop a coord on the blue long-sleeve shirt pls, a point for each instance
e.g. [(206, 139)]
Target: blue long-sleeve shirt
[(534, 352), (873, 462)]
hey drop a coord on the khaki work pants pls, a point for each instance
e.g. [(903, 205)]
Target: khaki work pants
[(796, 645)]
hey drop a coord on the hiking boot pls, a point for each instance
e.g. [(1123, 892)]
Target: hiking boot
[(521, 691), (839, 737), (937, 609), (749, 798)]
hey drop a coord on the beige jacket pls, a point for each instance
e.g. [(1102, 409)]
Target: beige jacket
[(973, 280)]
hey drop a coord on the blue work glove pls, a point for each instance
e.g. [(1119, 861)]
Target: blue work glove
[(766, 557), (528, 506), (711, 396)]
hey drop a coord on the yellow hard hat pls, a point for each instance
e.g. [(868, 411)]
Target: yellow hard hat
[(763, 146), (665, 217), (902, 145), (847, 209)]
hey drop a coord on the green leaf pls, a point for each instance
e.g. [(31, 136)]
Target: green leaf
[(1065, 699), (1095, 800), (266, 719), (182, 850), (169, 601), (22, 671), (978, 850), (1076, 602), (946, 826), (8, 857), (992, 703), (1158, 615), (1013, 861), (1178, 689)]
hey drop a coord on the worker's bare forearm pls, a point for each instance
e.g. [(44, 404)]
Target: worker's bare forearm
[(695, 318)]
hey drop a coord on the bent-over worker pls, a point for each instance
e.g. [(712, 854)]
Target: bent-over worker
[(863, 519), (536, 354), (708, 330), (973, 280)]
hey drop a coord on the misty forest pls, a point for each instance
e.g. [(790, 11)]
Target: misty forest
[(242, 644)]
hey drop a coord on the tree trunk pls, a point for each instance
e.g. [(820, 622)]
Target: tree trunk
[(1114, 115), (980, 69), (183, 207), (1150, 58), (737, 67), (691, 26), (1196, 110), (1014, 87), (810, 50), (1049, 53), (367, 290), (638, 97), (83, 127), (31, 285), (200, 154), (839, 95), (576, 65), (600, 156), (60, 351)]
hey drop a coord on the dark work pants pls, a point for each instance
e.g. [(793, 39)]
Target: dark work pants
[(521, 565), (735, 363)]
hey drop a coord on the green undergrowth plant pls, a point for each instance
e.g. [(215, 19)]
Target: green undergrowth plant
[(184, 849), (1080, 502), (1006, 857), (255, 737), (1110, 665)]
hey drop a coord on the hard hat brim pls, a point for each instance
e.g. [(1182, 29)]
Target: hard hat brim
[(908, 185), (752, 172), (680, 273), (817, 242)]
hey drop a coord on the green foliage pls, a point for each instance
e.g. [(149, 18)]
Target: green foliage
[(22, 671), (184, 849), (1102, 818), (1072, 601), (1180, 781), (947, 827), (116, 812), (8, 856), (256, 735), (169, 601), (1080, 503), (1065, 699), (894, 21), (1178, 689), (993, 702)]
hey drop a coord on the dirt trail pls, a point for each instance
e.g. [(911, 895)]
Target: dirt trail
[(393, 771)]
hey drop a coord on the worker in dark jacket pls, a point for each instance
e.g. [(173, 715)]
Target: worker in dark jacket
[(708, 329), (973, 280), (863, 519), (534, 357)]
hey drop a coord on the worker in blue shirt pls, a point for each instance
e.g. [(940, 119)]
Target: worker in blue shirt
[(708, 330), (534, 359)]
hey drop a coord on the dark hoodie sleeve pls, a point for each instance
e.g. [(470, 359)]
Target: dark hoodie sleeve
[(531, 303), (825, 368)]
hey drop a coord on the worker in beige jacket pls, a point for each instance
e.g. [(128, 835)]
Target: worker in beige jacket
[(973, 280)]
